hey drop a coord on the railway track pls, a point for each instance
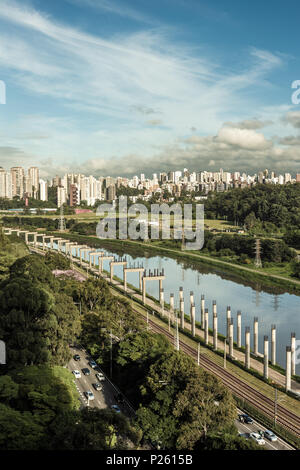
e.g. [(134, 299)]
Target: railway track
[(285, 418)]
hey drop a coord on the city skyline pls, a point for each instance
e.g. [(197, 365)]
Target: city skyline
[(73, 188), (106, 88)]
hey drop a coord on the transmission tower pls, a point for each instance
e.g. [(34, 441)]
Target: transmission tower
[(257, 250), (62, 220)]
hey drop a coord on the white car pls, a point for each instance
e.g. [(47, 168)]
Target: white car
[(77, 374), (258, 439), (89, 395), (271, 436), (100, 376)]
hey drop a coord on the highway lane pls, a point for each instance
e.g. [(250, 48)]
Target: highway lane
[(104, 398), (255, 427)]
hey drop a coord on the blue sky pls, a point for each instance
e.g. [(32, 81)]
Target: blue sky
[(121, 87)]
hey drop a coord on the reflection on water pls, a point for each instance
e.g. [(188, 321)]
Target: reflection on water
[(281, 309)]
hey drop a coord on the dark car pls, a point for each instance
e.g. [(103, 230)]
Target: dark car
[(97, 387), (86, 371), (93, 364), (245, 419), (76, 357)]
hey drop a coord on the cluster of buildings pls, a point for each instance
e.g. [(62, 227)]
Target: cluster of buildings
[(17, 183), (75, 188)]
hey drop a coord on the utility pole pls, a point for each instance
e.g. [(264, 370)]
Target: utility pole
[(198, 361), (225, 345), (62, 221), (147, 320), (257, 250)]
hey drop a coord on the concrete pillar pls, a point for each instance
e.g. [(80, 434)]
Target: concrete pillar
[(228, 318), (141, 281), (144, 291), (180, 293), (273, 344), (288, 368), (215, 328), (247, 347), (162, 301), (231, 338), (293, 349), (160, 285), (172, 308), (182, 313), (255, 335), (206, 325), (192, 301), (239, 329), (202, 311), (193, 319), (266, 357)]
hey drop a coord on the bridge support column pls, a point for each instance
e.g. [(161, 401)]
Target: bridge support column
[(231, 338), (202, 311), (247, 347), (266, 357), (288, 369), (215, 325), (193, 319), (206, 325), (293, 353), (162, 301), (182, 313), (228, 318), (255, 336), (273, 344), (239, 329)]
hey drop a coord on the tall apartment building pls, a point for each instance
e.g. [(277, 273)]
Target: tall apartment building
[(43, 190), (61, 195), (34, 176), (74, 198), (5, 184), (111, 192), (17, 181)]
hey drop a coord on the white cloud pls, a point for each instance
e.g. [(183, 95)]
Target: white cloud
[(243, 138)]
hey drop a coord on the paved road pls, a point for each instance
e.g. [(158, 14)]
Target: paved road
[(103, 398), (255, 427)]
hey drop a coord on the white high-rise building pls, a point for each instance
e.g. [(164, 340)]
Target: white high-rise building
[(33, 183), (5, 184), (61, 195), (43, 190)]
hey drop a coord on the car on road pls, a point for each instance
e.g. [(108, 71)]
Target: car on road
[(89, 395), (76, 357), (97, 386), (270, 436), (100, 376), (93, 364), (77, 374), (116, 408), (245, 419), (86, 371), (246, 435), (257, 438)]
